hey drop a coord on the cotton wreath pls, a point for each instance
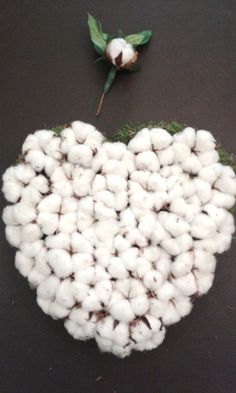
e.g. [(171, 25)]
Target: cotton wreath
[(117, 239)]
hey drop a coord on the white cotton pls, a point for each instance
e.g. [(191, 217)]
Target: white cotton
[(12, 190), (60, 261), (68, 205), (129, 258), (30, 196), (171, 315), (50, 204), (182, 264), (122, 311), (116, 183), (186, 284), (116, 269), (140, 142), (204, 282), (44, 137), (103, 290), (156, 182), (147, 160), (167, 291), (135, 237), (166, 156), (31, 142), (181, 151), (203, 227), (50, 165), (160, 138), (140, 305), (220, 199), (48, 222), (64, 294), (94, 141), (204, 141), (30, 233), (80, 155), (121, 201), (114, 150), (204, 261), (115, 167), (142, 199), (24, 213), (47, 289), (81, 130), (79, 244), (207, 158), (146, 224), (40, 183), (153, 280), (8, 215), (183, 305), (189, 136), (33, 248), (67, 223), (68, 140), (59, 240), (52, 149), (191, 164), (24, 173), (226, 184), (36, 159), (23, 263)]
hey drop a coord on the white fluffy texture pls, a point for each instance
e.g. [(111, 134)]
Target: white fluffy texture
[(118, 240)]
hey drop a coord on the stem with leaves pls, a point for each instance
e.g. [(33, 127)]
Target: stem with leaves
[(110, 78)]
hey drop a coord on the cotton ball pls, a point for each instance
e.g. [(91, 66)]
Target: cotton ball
[(129, 161), (157, 307), (58, 175), (116, 183), (167, 292), (160, 138), (80, 155), (122, 311), (146, 224), (30, 233), (121, 244), (99, 160), (121, 201), (79, 244), (204, 282), (203, 226), (210, 173), (121, 351), (30, 196), (140, 331), (82, 182), (47, 288), (48, 222), (220, 199), (156, 182), (60, 261), (36, 159), (99, 183), (103, 290), (223, 242), (67, 222), (189, 135), (166, 156), (106, 197), (204, 261), (178, 206), (8, 216), (80, 290), (40, 183), (135, 237), (140, 305), (182, 264), (171, 315), (142, 200), (139, 178), (204, 141), (190, 186), (226, 184), (35, 277), (116, 268), (186, 284), (105, 345), (64, 294), (31, 143), (50, 165), (50, 204), (102, 212), (12, 190), (82, 130), (181, 151), (153, 280), (24, 173), (163, 265), (171, 246), (23, 263), (94, 141), (115, 167), (59, 240), (183, 305), (140, 142), (91, 301), (81, 261), (216, 213), (41, 264), (207, 158), (57, 311), (121, 334), (129, 258), (176, 226), (158, 233), (68, 140), (53, 148), (147, 160), (114, 150), (191, 164), (68, 205), (24, 213)]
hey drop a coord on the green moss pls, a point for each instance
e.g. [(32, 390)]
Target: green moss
[(58, 129)]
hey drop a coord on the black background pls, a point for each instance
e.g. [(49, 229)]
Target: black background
[(48, 77)]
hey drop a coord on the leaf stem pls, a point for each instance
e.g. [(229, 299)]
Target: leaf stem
[(110, 78), (100, 104)]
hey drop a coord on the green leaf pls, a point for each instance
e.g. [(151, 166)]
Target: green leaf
[(98, 38), (110, 78), (139, 39)]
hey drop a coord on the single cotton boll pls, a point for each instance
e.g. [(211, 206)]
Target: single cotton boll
[(102, 212), (60, 240), (35, 278), (23, 263), (127, 220), (24, 173), (121, 244), (105, 345), (160, 138), (146, 224), (158, 233), (116, 183), (68, 205), (167, 291), (166, 156), (143, 266), (139, 178), (36, 159), (121, 201), (81, 130), (114, 150), (79, 244), (189, 135), (135, 237), (220, 199), (171, 315), (24, 213), (140, 331), (142, 200), (210, 173), (182, 264), (156, 183), (129, 161), (140, 305), (99, 183), (81, 261), (50, 204), (181, 151), (157, 307), (47, 289), (189, 187), (8, 216), (208, 157), (80, 155), (30, 233), (186, 284), (44, 137), (147, 160), (183, 306), (80, 290), (116, 268), (136, 288), (122, 311), (204, 282), (121, 334), (48, 222), (94, 141), (57, 311), (41, 264), (176, 226), (50, 165), (40, 183), (153, 280), (68, 140), (217, 214), (204, 141), (82, 183), (103, 290), (91, 301), (129, 258), (58, 175), (223, 242), (67, 223), (204, 261), (64, 294), (163, 265), (226, 184), (106, 197), (178, 206), (114, 167), (31, 249), (60, 261), (99, 160), (86, 205), (12, 190), (52, 148), (203, 227), (184, 242), (191, 164), (31, 142), (171, 246), (191, 211), (140, 142)]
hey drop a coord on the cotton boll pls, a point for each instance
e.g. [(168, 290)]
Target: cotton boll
[(50, 204), (67, 223), (166, 156), (178, 206), (24, 213), (82, 182), (105, 345), (208, 157), (203, 190), (68, 140), (94, 141), (64, 294), (189, 135), (204, 282), (43, 137), (204, 261), (183, 306), (24, 173), (223, 242), (129, 258), (156, 183), (116, 268), (102, 212), (30, 233), (220, 199), (81, 130), (121, 244), (140, 142), (157, 307), (57, 311), (99, 184), (129, 161), (52, 148), (217, 214), (81, 261), (210, 173), (80, 290), (60, 261), (12, 190), (139, 178), (127, 220), (103, 290), (31, 142), (152, 253), (140, 305), (208, 245), (121, 334), (147, 160), (226, 184), (204, 141), (140, 331), (91, 301), (31, 249), (171, 315), (176, 226), (153, 280), (50, 165), (186, 284), (36, 159), (203, 227), (184, 242), (40, 183), (79, 244), (114, 150), (121, 201), (44, 305), (47, 288), (35, 277), (8, 216), (13, 235), (146, 224), (122, 311), (59, 240), (160, 138), (191, 211), (68, 205), (106, 197), (171, 246), (163, 265), (23, 263), (182, 264), (142, 200), (90, 235), (99, 160), (106, 229), (116, 183), (135, 237), (167, 292), (189, 187), (80, 155), (181, 151), (115, 167), (58, 175), (48, 222), (191, 164), (158, 233), (41, 264)]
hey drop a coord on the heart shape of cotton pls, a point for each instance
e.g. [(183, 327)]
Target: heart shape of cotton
[(119, 240)]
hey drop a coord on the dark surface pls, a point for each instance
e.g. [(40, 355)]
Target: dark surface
[(48, 78)]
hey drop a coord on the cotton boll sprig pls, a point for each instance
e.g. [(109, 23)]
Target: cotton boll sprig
[(118, 239)]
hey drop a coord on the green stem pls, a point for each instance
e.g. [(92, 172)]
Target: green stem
[(110, 78)]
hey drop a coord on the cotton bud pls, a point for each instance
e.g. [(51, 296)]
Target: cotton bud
[(147, 160), (120, 53), (166, 156), (160, 138), (226, 184), (220, 199), (64, 294), (153, 280), (48, 288), (67, 223), (94, 141), (81, 130), (12, 190), (30, 143), (203, 189), (31, 196), (122, 311), (30, 233), (116, 183), (181, 151), (207, 158), (60, 261), (68, 140), (80, 155), (48, 222), (115, 150), (191, 164), (36, 159), (187, 284), (140, 142), (23, 263), (156, 182), (140, 305), (115, 167), (52, 149), (24, 173), (24, 213), (171, 315), (204, 141), (50, 204)]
